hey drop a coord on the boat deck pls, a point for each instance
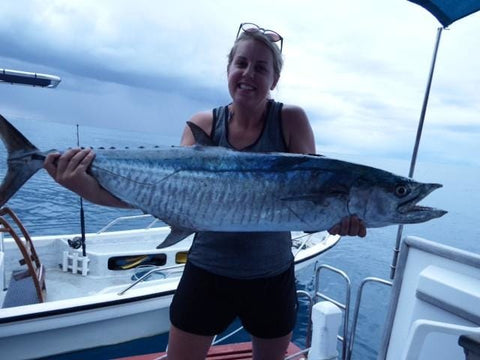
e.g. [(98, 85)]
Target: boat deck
[(65, 285), (238, 351)]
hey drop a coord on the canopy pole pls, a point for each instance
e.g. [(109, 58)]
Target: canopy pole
[(415, 149)]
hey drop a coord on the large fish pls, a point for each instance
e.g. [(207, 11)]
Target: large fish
[(216, 189)]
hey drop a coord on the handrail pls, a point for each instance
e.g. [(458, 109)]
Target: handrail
[(357, 309), (308, 338), (156, 269), (345, 307), (215, 341), (130, 217), (30, 258), (307, 237), (294, 356)]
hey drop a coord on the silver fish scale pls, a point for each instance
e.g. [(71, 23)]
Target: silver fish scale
[(220, 200), (216, 189), (226, 199)]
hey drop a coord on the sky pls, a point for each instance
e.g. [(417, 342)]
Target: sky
[(358, 68)]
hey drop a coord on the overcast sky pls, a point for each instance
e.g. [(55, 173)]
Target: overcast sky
[(358, 68)]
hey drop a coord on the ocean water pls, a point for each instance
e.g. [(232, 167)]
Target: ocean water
[(47, 208)]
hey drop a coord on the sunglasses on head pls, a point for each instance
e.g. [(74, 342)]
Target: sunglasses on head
[(271, 35)]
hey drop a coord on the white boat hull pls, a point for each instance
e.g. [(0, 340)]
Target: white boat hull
[(82, 329)]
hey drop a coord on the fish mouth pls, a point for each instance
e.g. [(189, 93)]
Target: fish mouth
[(414, 213)]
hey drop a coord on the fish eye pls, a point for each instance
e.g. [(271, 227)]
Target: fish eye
[(401, 190)]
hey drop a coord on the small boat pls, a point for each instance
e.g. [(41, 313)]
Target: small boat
[(122, 285)]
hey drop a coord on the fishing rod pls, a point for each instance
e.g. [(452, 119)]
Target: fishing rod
[(82, 212)]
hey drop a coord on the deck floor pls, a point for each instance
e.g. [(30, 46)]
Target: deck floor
[(239, 351), (65, 285)]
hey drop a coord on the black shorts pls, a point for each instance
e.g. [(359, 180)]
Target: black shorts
[(206, 304)]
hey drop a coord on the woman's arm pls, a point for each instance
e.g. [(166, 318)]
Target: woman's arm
[(297, 132)]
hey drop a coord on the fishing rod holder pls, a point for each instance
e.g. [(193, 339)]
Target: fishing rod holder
[(75, 262)]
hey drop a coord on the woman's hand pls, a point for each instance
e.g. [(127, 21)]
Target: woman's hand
[(352, 226), (70, 170)]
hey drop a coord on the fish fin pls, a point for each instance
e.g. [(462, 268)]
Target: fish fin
[(24, 160), (176, 235), (200, 136), (13, 139), (286, 163)]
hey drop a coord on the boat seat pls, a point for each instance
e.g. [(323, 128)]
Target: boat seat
[(421, 328), (26, 286)]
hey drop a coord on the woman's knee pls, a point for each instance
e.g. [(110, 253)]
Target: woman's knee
[(183, 345)]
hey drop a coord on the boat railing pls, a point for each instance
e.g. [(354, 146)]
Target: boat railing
[(308, 337), (343, 306), (223, 338), (357, 309), (297, 354), (157, 269), (300, 241), (130, 217)]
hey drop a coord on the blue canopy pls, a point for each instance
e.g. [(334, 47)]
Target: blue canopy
[(449, 11)]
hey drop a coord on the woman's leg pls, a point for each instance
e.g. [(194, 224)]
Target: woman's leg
[(187, 346), (269, 313), (270, 349), (198, 312)]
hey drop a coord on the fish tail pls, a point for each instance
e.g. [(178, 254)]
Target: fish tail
[(24, 160)]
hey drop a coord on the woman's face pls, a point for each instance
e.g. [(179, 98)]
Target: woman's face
[(251, 74)]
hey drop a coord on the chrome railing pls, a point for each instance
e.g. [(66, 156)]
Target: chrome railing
[(344, 306), (157, 269), (357, 309), (131, 217)]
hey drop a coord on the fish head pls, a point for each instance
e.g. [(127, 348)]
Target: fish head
[(392, 199)]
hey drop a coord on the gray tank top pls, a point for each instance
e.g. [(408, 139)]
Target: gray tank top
[(245, 255)]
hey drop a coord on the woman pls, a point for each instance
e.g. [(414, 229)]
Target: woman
[(227, 275)]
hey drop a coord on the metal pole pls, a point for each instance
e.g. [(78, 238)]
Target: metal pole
[(415, 149)]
